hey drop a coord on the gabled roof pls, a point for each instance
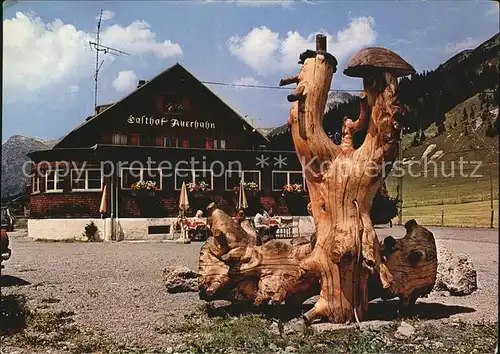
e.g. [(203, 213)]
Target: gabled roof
[(177, 66)]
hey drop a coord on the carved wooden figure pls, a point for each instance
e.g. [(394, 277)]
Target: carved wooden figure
[(341, 182)]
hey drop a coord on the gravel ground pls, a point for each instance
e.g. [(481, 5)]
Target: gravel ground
[(117, 288)]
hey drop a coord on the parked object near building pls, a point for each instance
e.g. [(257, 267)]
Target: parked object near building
[(4, 247), (7, 219)]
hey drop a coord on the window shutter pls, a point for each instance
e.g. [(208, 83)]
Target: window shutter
[(134, 139), (185, 104), (106, 138), (159, 105)]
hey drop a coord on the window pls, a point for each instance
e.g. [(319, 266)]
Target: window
[(172, 104), (135, 139), (132, 175), (86, 180), (234, 177), (185, 144), (35, 183), (54, 180), (280, 178), (171, 141), (194, 176), (209, 144), (219, 144), (119, 139)]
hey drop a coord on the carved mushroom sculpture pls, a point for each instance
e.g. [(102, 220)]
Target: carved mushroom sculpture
[(379, 68), (376, 65)]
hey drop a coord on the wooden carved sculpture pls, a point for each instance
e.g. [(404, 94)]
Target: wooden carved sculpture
[(341, 182)]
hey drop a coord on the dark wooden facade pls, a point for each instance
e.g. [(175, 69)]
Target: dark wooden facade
[(171, 126)]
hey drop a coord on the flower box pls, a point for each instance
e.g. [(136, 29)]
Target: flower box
[(198, 188), (292, 189), (251, 189), (144, 188)]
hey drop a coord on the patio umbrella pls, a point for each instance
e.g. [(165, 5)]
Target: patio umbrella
[(103, 208), (183, 200), (242, 198)]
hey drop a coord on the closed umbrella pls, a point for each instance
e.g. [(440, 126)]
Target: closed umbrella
[(183, 200), (242, 198), (183, 206), (103, 208)]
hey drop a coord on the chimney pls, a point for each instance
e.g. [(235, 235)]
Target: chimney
[(141, 82)]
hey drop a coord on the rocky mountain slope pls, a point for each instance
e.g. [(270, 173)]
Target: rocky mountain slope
[(14, 157)]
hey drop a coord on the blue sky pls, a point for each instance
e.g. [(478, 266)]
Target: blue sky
[(48, 66)]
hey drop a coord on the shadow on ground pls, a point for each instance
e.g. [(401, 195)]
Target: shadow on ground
[(13, 314), (9, 280), (377, 310), (388, 310)]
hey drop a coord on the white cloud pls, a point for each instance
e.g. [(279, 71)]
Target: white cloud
[(246, 80), (38, 55), (493, 9), (125, 81), (106, 15), (257, 49), (257, 3), (138, 39), (467, 43), (425, 31), (264, 51)]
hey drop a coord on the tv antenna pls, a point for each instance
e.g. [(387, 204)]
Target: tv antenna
[(106, 50)]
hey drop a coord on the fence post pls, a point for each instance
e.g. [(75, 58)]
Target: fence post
[(442, 217)]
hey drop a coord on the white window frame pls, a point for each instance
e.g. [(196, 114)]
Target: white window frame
[(56, 180), (171, 140), (121, 135), (86, 178), (141, 178), (228, 188), (193, 176), (288, 179), (35, 181)]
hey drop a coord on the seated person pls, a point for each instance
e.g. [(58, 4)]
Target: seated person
[(263, 224), (274, 220), (240, 216), (198, 217)]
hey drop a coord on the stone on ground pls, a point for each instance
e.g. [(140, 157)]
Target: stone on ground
[(180, 279), (456, 273), (405, 330)]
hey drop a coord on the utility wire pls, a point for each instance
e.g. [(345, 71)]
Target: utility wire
[(264, 86)]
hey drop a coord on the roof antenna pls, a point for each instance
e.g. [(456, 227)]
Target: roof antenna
[(101, 48)]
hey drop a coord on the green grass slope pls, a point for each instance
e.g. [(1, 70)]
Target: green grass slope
[(445, 182)]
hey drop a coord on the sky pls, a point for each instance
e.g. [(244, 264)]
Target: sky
[(48, 65)]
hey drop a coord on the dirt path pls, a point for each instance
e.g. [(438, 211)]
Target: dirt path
[(117, 288)]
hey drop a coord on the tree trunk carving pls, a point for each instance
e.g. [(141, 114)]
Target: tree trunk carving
[(341, 182)]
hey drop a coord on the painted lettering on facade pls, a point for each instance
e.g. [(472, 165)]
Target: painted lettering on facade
[(172, 123)]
